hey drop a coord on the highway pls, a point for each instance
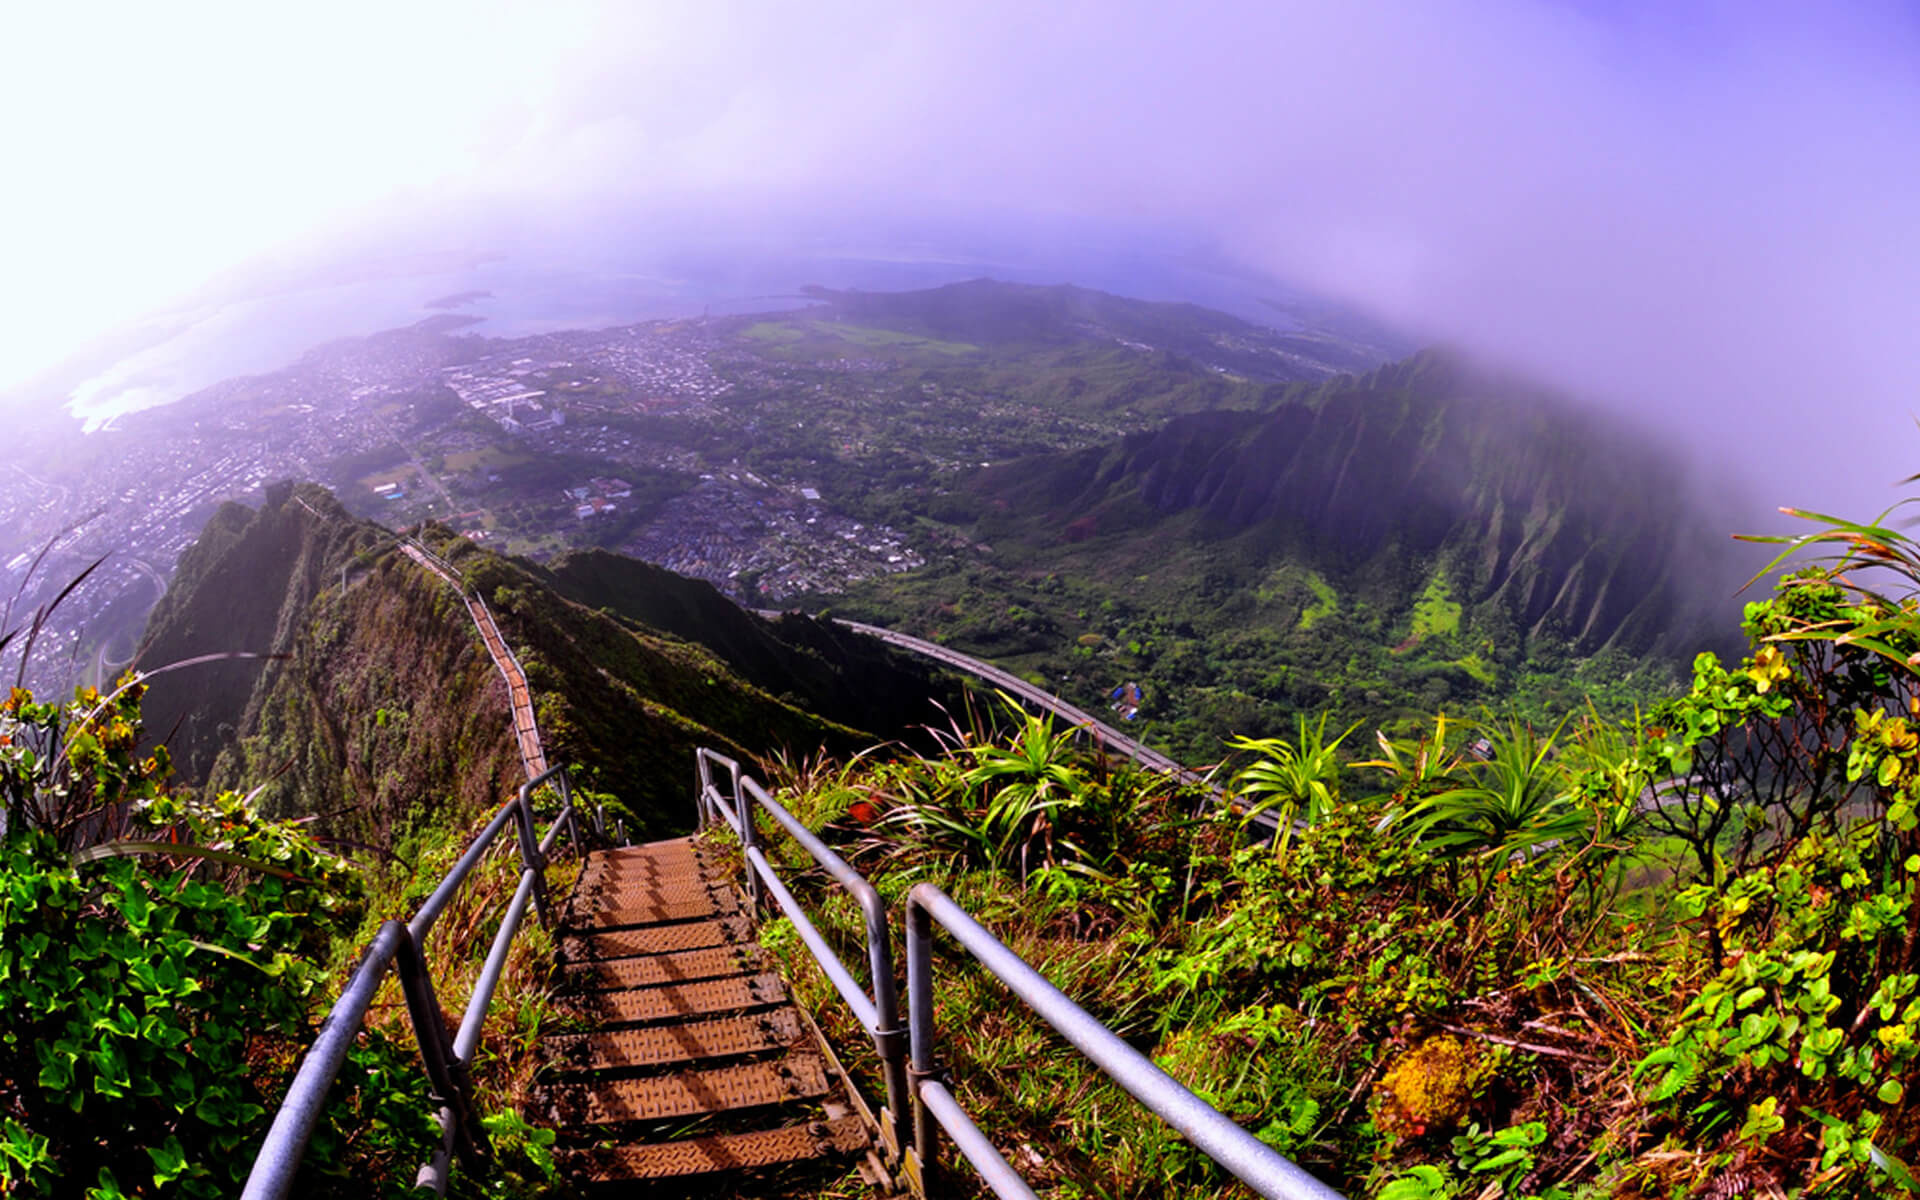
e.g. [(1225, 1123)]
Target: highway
[(1104, 734)]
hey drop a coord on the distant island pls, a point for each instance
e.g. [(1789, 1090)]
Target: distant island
[(459, 299)]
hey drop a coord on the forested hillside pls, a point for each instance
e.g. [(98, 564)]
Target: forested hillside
[(1426, 535)]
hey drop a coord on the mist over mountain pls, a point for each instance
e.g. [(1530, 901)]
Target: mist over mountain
[(1428, 534)]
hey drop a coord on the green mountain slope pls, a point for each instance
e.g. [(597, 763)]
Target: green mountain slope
[(991, 313), (384, 699), (815, 665), (1423, 535)]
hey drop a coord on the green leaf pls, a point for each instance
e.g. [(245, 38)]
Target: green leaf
[(169, 1160)]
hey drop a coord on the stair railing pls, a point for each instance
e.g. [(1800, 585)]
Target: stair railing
[(1252, 1161), (917, 1077), (878, 1012), (446, 1060)]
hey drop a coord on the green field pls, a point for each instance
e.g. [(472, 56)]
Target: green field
[(822, 337)]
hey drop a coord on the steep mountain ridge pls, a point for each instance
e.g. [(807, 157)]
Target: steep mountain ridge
[(1573, 526), (382, 699), (1426, 535)]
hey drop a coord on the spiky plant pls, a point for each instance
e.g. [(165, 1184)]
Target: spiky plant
[(1295, 780)]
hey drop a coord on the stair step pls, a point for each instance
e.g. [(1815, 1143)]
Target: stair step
[(659, 1045), (679, 845), (719, 1152), (689, 1093), (655, 970), (639, 893), (595, 878), (707, 905), (675, 1001), (677, 854), (663, 939), (652, 866)]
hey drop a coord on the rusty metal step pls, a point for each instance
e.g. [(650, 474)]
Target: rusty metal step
[(593, 877), (689, 1093), (646, 858), (639, 895), (654, 855), (637, 1006), (594, 884), (654, 970), (663, 939), (662, 1045), (589, 905), (718, 1152), (708, 904)]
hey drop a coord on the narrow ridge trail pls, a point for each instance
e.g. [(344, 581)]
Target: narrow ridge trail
[(679, 1056), (533, 755)]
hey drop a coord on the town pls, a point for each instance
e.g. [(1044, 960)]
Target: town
[(781, 456)]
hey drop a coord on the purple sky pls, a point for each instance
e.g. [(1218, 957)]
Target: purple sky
[(1699, 213)]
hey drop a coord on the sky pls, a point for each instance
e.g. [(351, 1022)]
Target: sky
[(1699, 214)]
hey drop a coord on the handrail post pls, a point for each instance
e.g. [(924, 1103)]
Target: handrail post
[(888, 1037), (703, 783), (573, 819), (926, 1132), (749, 839), (530, 857), (444, 1070)]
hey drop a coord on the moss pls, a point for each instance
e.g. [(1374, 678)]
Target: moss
[(1429, 1089), (1436, 613), (1326, 601)]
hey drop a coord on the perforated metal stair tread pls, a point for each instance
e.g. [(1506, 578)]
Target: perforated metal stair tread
[(706, 906), (658, 939), (653, 871), (672, 847), (656, 970), (639, 895), (685, 1021), (660, 1045), (719, 1152), (668, 860), (665, 866), (711, 996), (689, 1093)]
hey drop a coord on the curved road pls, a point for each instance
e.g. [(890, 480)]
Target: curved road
[(1103, 733)]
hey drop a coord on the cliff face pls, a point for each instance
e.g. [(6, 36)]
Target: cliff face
[(246, 586), (383, 704), (1561, 522)]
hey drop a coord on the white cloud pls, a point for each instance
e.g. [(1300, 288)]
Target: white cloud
[(1702, 212)]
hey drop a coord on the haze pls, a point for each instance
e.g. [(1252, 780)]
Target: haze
[(1701, 215)]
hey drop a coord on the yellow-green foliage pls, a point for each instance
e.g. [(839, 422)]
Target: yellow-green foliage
[(1478, 667), (1325, 601), (1436, 612), (778, 332), (863, 335)]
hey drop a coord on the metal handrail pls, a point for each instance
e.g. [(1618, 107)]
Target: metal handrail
[(878, 1012), (914, 1077), (1256, 1164), (446, 1060)]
